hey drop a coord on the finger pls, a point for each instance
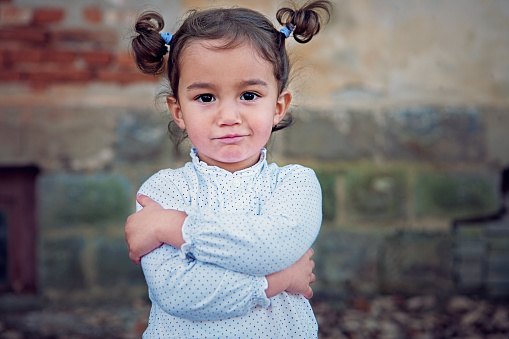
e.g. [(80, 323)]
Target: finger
[(309, 293), (310, 252), (135, 259), (139, 199), (143, 200), (312, 279), (312, 264)]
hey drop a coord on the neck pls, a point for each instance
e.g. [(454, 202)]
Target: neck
[(233, 166)]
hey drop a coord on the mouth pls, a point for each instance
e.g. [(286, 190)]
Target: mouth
[(231, 138)]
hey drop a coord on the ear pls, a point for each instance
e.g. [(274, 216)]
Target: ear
[(176, 111), (283, 102)]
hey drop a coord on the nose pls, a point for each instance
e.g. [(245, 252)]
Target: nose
[(228, 114)]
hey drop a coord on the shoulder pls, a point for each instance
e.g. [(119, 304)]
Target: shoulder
[(168, 175), (165, 183), (162, 178), (294, 177), (294, 181), (292, 171)]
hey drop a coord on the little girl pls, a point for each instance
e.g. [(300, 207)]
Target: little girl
[(224, 242)]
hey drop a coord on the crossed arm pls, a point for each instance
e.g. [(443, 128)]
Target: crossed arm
[(273, 244)]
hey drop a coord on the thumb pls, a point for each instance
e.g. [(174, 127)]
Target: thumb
[(143, 200)]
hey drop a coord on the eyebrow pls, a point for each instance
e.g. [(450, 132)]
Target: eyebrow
[(251, 82), (200, 85), (206, 85)]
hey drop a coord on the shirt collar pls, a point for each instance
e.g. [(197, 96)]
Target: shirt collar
[(204, 167)]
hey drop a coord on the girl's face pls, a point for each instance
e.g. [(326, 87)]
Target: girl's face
[(228, 102)]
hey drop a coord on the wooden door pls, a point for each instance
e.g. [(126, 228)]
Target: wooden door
[(18, 232)]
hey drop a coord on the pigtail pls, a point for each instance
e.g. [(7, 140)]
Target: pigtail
[(307, 20), (148, 46)]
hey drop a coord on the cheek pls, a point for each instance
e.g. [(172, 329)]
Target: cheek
[(195, 129), (265, 129), (195, 132)]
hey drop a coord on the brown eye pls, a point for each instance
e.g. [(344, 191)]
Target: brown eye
[(206, 98), (249, 96)]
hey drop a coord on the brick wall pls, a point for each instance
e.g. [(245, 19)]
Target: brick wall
[(39, 51), (399, 119)]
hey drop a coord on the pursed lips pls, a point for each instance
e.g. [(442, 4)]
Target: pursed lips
[(231, 138)]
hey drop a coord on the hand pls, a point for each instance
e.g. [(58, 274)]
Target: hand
[(295, 278), (302, 275), (140, 229)]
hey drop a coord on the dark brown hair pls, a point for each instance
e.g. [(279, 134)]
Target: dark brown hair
[(234, 26)]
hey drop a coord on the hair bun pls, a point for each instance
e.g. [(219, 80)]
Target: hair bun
[(148, 46), (306, 20)]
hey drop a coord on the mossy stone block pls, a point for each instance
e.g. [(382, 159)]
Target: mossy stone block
[(349, 137), (61, 263), (67, 200), (376, 194), (434, 133), (329, 199), (455, 194), (114, 268), (345, 261), (142, 137), (413, 262)]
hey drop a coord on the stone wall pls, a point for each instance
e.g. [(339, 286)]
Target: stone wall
[(401, 108)]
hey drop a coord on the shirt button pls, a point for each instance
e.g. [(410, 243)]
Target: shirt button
[(236, 182)]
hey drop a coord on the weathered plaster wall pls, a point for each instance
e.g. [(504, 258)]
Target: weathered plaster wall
[(402, 108)]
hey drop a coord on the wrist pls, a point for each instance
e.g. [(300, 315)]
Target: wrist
[(277, 282), (169, 230), (160, 228)]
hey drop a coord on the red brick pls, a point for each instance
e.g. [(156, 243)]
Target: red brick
[(38, 87), (97, 57), (22, 56), (70, 35), (11, 15), (58, 56), (125, 61), (47, 67), (47, 16), (124, 77), (93, 15), (8, 75), (101, 38), (58, 76), (23, 34)]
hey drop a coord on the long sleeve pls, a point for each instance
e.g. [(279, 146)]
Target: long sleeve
[(191, 294), (195, 290), (259, 244), (189, 288)]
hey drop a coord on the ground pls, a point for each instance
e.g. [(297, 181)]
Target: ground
[(389, 316)]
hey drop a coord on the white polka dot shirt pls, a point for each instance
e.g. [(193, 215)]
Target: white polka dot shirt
[(240, 227)]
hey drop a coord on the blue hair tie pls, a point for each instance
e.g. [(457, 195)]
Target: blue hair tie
[(287, 30), (167, 37)]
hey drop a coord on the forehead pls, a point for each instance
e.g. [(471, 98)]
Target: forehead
[(210, 56)]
